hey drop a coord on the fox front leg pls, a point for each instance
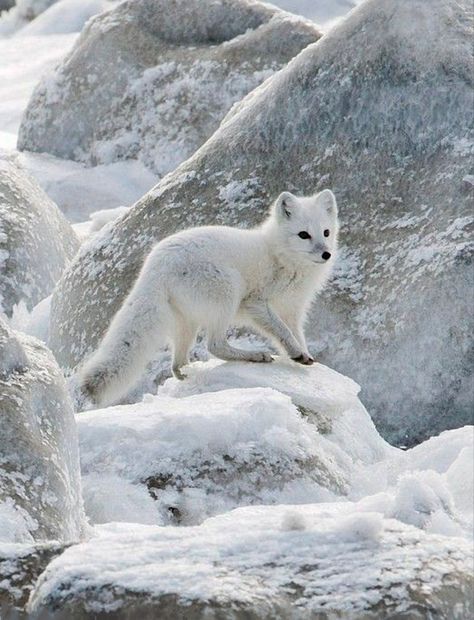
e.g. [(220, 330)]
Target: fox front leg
[(267, 318)]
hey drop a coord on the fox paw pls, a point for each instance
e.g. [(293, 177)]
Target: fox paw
[(179, 374), (260, 356), (304, 358)]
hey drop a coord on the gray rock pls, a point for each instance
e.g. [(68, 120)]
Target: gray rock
[(20, 567), (40, 491), (6, 5), (153, 78), (379, 110), (36, 241), (29, 9), (261, 563)]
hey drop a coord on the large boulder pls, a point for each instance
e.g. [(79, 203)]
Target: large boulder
[(380, 110), (36, 241), (40, 491), (153, 79), (230, 435), (302, 562)]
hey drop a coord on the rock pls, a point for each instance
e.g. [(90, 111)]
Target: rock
[(64, 17), (36, 241), (40, 490), (334, 117), (312, 562), (6, 5), (225, 438), (20, 567), (29, 9), (152, 79)]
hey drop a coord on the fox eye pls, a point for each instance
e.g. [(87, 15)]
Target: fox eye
[(326, 232), (304, 235)]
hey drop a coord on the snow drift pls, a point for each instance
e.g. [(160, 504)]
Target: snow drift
[(40, 492), (152, 79), (36, 242), (379, 110)]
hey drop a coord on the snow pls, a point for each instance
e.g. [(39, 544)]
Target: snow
[(79, 190), (202, 446), (394, 530), (23, 62), (64, 17), (342, 562), (325, 13), (229, 446)]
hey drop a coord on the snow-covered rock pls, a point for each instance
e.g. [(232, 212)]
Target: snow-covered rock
[(152, 79), (311, 562), (20, 567), (379, 110), (230, 435), (36, 241), (40, 493)]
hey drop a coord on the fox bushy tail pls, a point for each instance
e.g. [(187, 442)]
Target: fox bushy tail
[(137, 331)]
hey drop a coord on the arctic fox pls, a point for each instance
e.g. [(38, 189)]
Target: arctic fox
[(214, 277)]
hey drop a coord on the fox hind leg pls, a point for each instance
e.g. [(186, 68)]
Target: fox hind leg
[(184, 337)]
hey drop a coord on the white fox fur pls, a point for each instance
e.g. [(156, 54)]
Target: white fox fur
[(215, 277)]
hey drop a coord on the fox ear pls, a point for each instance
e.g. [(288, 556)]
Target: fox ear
[(327, 200), (285, 205)]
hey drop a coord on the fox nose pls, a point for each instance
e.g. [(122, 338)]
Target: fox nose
[(326, 255)]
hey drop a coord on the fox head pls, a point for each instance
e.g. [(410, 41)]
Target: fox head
[(307, 226)]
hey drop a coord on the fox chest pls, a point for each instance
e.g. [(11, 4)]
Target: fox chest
[(280, 282)]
